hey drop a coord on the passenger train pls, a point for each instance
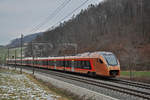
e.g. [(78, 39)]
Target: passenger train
[(95, 63)]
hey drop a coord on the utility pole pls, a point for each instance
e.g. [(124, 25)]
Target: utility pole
[(0, 62), (32, 57), (5, 61), (130, 65), (15, 58), (21, 53), (8, 59)]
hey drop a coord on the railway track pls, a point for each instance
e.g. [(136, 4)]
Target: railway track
[(130, 91), (104, 84), (131, 83)]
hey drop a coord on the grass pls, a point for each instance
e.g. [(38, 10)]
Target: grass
[(136, 73)]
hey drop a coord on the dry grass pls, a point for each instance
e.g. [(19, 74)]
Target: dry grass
[(46, 87)]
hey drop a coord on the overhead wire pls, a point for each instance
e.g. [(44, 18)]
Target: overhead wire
[(51, 16), (71, 12)]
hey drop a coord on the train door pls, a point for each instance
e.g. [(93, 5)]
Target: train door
[(72, 67), (101, 67)]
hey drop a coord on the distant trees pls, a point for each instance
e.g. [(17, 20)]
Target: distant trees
[(113, 25)]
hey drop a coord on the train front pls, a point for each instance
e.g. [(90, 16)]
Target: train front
[(113, 65)]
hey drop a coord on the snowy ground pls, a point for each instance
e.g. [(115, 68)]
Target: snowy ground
[(15, 86)]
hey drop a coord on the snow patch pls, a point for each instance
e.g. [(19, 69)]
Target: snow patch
[(18, 86)]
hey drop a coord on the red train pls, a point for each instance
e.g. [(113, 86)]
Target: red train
[(96, 63)]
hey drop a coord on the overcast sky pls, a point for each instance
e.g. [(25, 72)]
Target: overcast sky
[(21, 16)]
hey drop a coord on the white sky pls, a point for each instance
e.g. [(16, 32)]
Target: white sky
[(21, 16)]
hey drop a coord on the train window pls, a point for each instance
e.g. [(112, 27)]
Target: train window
[(45, 62), (38, 62), (68, 63), (83, 64), (61, 63), (51, 63), (27, 62), (41, 62), (58, 63), (111, 59), (31, 62), (64, 63), (74, 64), (87, 65), (35, 62), (80, 64), (77, 64), (100, 61)]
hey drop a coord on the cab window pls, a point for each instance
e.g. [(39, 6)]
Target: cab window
[(100, 61)]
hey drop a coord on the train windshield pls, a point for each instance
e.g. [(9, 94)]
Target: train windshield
[(111, 59)]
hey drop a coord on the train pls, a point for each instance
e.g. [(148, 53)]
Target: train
[(95, 63)]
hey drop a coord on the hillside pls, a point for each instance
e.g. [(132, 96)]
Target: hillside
[(120, 26), (26, 39), (1, 46)]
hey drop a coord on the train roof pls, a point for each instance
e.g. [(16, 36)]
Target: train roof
[(81, 55)]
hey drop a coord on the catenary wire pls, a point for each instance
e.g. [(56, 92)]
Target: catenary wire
[(52, 15)]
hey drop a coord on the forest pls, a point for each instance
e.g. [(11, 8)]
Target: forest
[(119, 26)]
